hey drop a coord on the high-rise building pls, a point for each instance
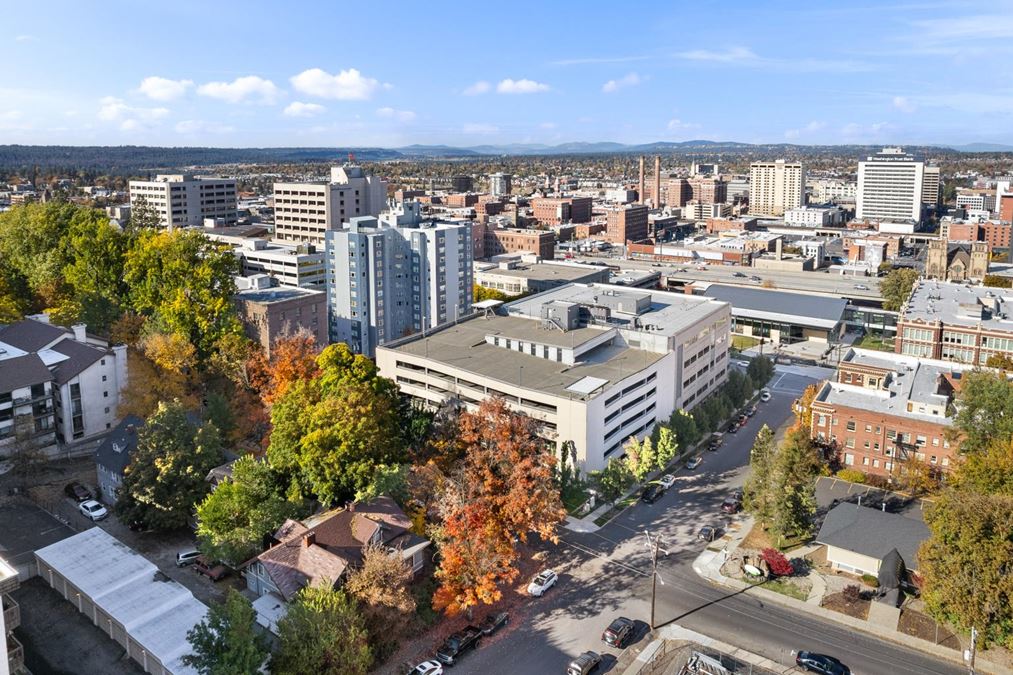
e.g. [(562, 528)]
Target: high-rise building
[(395, 276), (558, 210), (775, 187), (461, 183), (627, 223), (306, 211), (184, 200), (931, 187), (500, 184), (890, 186)]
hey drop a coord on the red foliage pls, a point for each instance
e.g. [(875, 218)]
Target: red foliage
[(779, 565), (293, 357)]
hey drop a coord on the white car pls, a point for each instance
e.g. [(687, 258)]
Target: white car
[(92, 509), (543, 582), (693, 463), (668, 480), (765, 395), (861, 287), (427, 668)]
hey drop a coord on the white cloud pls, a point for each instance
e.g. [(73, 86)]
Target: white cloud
[(162, 89), (399, 115), (509, 86), (972, 27), (745, 57), (479, 87), (242, 90), (732, 55), (202, 127), (853, 130), (347, 85), (904, 104), (300, 109), (679, 125), (130, 118), (25, 38), (547, 125), (813, 126), (628, 80), (594, 60), (479, 128)]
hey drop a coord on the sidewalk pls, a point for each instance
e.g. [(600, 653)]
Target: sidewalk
[(708, 566), (675, 632)]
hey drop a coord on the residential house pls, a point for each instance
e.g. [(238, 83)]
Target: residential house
[(113, 456)]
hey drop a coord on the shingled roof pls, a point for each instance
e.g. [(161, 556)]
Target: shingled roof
[(873, 533), (31, 335), (22, 371), (79, 357)]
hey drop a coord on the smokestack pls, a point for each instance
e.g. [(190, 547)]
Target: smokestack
[(657, 181), (640, 192)]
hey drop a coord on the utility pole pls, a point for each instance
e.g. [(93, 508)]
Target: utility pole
[(972, 650), (654, 545)]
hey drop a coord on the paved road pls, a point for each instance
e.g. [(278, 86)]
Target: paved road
[(606, 574)]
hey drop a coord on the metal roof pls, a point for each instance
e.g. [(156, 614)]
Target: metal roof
[(798, 308)]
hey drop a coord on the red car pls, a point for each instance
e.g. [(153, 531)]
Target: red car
[(213, 571), (731, 505)]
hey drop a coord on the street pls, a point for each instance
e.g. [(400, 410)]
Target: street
[(606, 574)]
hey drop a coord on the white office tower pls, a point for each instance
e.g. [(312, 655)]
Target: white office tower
[(386, 281), (500, 184), (305, 211), (890, 187), (184, 200), (775, 187)]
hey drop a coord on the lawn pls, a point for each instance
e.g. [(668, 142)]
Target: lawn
[(759, 539), (741, 342), (782, 586), (574, 497), (875, 342)]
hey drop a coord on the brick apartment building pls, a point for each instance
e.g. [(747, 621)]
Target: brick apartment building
[(883, 409), (718, 225), (461, 200), (628, 223), (1005, 208), (995, 234), (681, 191), (499, 241), (559, 210)]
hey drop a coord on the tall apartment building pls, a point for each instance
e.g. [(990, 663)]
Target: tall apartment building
[(500, 184), (932, 187), (627, 223), (883, 409), (184, 200), (1005, 208), (559, 210), (955, 322), (704, 189), (306, 211), (775, 187), (386, 279), (995, 233), (591, 364), (890, 187)]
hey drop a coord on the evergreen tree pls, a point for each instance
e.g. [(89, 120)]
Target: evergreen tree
[(227, 641), (758, 491), (684, 427)]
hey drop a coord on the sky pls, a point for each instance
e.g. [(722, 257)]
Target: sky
[(393, 73)]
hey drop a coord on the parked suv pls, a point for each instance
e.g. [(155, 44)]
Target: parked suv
[(184, 558), (731, 505), (212, 570), (455, 645), (77, 492), (652, 493), (618, 632), (584, 664)]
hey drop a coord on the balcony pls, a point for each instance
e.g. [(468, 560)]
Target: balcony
[(15, 655), (12, 612)]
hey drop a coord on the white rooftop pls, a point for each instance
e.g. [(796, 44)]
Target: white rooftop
[(960, 304)]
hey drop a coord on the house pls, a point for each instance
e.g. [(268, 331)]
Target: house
[(113, 456), (320, 549), (859, 538)]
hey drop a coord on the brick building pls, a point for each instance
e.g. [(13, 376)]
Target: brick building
[(499, 241), (628, 223), (1005, 208), (995, 234), (559, 210), (461, 200), (718, 225), (881, 410), (268, 313)]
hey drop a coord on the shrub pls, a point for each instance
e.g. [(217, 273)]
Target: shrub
[(852, 593), (870, 580), (851, 475), (779, 565)]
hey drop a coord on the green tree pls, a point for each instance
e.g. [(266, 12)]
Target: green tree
[(143, 216), (685, 428), (989, 471), (233, 519), (758, 492), (481, 293), (666, 447), (227, 641), (33, 244), (381, 585), (738, 388), (760, 370), (984, 411), (614, 480), (793, 485), (389, 480), (640, 458), (322, 634), (896, 287), (165, 478)]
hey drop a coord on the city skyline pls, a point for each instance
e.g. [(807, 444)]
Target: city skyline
[(904, 73)]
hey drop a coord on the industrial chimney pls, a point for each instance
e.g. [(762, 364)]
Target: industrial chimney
[(657, 181), (640, 192)]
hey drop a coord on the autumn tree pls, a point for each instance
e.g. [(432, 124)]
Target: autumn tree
[(667, 447), (381, 587), (233, 520), (896, 286), (984, 411), (165, 478), (227, 641), (322, 633), (293, 357), (640, 457), (803, 408)]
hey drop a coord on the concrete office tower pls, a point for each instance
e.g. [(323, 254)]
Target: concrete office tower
[(931, 186), (890, 187), (657, 181), (185, 200), (775, 187), (640, 189), (306, 211), (500, 184), (385, 282)]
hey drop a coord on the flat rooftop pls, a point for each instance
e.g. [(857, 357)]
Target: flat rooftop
[(772, 305), (957, 304), (543, 271), (275, 294)]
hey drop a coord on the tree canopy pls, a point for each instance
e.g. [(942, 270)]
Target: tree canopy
[(323, 633), (896, 287), (227, 641)]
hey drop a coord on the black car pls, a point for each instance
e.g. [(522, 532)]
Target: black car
[(652, 493), (820, 663), (731, 505), (619, 632), (584, 664), (77, 492), (739, 274), (708, 533), (733, 427), (455, 645), (492, 623)]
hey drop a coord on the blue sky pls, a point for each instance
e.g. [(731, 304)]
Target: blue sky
[(307, 73)]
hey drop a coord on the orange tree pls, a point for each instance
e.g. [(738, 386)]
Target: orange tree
[(293, 357)]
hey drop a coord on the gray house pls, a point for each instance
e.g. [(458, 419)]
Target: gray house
[(113, 456)]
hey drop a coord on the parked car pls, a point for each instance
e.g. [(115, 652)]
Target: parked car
[(820, 663), (652, 492), (668, 480), (455, 645), (427, 668), (491, 623), (212, 570), (738, 495), (618, 632), (733, 426), (693, 463), (92, 510), (188, 557), (708, 533), (739, 274), (743, 418), (765, 395), (750, 411), (584, 664), (77, 492), (861, 287), (543, 582), (716, 441), (731, 505)]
